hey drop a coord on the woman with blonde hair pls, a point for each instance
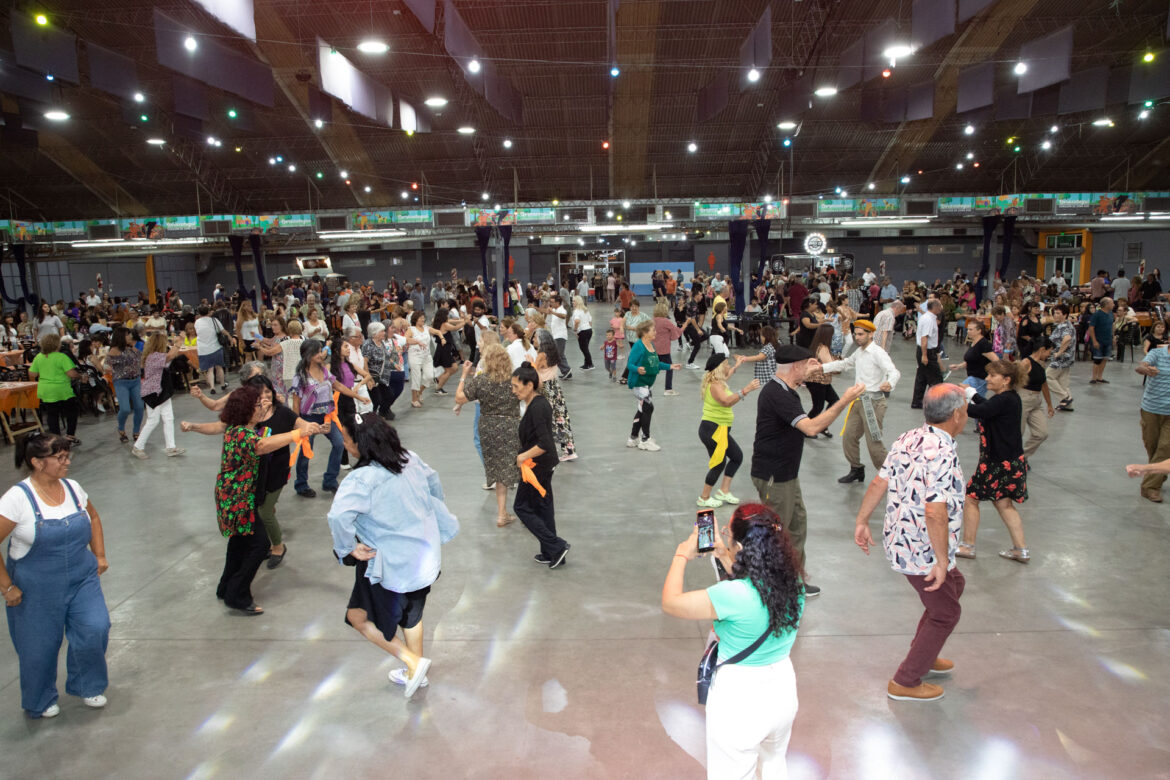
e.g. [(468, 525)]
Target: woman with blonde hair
[(665, 332), (498, 422), (715, 428), (157, 390), (247, 330)]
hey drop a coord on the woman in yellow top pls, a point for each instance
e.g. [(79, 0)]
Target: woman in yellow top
[(189, 336), (715, 429)]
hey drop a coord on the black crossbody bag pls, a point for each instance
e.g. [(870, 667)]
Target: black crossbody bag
[(708, 664)]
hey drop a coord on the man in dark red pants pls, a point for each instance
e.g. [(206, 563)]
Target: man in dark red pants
[(922, 484)]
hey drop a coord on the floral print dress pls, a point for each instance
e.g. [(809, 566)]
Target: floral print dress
[(235, 489), (277, 370), (562, 425)]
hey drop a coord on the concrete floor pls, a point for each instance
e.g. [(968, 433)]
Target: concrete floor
[(1061, 665)]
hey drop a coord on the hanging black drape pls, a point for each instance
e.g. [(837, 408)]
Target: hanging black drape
[(506, 235), (237, 244), (737, 232), (1009, 235), (981, 281), (257, 245), (483, 236), (3, 291)]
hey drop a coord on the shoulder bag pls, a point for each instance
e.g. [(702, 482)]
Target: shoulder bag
[(708, 664), (222, 337)]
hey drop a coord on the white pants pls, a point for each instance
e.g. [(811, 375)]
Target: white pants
[(718, 346), (422, 370), (166, 414), (750, 710)]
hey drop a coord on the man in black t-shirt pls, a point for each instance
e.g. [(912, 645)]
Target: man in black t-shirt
[(696, 309), (781, 428)]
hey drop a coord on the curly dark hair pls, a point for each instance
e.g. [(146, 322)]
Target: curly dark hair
[(767, 559), (240, 406)]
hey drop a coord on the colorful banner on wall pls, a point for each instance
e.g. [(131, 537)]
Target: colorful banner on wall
[(181, 227), (414, 217), (371, 220), (754, 211), (718, 210), (74, 229), (537, 216), (487, 217), (878, 207), (953, 206), (837, 208)]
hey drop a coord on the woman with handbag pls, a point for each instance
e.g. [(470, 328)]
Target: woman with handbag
[(752, 701), (210, 342), (157, 390)]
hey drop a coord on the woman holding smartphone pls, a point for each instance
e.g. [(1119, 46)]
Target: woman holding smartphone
[(751, 704)]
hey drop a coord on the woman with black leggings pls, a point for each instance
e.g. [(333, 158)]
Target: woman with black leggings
[(819, 383), (715, 429)]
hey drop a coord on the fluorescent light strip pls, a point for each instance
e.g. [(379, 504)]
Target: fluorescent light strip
[(624, 228), (118, 243), (884, 222), (361, 233), (1120, 217)]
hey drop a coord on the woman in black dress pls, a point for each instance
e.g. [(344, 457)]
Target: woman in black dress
[(809, 320), (1030, 329), (820, 384), (1001, 476), (447, 354)]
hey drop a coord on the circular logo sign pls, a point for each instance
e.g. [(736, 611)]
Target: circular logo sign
[(815, 243)]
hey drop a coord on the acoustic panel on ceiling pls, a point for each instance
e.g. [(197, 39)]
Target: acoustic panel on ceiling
[(920, 101), (190, 98), (47, 49), (1118, 89), (458, 39), (1150, 81), (236, 14), (756, 50), (320, 105), (976, 87), (968, 8), (1047, 59), (424, 11), (211, 62), (712, 99), (111, 72), (877, 41), (851, 64), (1085, 91), (187, 127), (893, 105), (22, 83), (931, 20), (1009, 104), (1046, 102), (869, 108)]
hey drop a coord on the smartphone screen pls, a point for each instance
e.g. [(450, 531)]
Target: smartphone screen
[(705, 522)]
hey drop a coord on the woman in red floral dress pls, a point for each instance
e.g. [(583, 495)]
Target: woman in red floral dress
[(1002, 474), (235, 492)]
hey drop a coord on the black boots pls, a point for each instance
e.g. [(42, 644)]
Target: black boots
[(855, 475)]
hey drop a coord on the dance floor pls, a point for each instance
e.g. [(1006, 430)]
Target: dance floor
[(1061, 665)]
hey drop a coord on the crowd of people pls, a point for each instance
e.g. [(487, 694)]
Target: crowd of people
[(314, 361)]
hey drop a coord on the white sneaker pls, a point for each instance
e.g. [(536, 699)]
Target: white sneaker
[(648, 445), (101, 408), (671, 392), (346, 467), (492, 486), (52, 712), (398, 677), (140, 454), (693, 366), (174, 452), (631, 443), (97, 702)]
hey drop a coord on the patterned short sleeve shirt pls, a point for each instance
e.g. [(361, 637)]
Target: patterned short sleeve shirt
[(921, 468)]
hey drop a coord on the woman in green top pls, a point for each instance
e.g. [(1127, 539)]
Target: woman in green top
[(751, 704), (643, 366), (715, 428), (54, 372)]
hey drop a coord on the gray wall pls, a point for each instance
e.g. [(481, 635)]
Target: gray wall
[(1109, 251)]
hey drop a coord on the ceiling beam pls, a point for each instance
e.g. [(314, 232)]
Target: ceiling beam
[(977, 43), (633, 93)]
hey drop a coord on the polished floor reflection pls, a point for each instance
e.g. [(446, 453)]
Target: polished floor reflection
[(1062, 665)]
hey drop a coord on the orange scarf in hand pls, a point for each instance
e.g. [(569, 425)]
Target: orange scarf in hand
[(529, 476)]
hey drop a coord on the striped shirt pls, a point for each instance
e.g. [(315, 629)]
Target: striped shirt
[(1156, 395)]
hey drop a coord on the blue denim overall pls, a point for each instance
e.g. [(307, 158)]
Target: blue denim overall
[(61, 594)]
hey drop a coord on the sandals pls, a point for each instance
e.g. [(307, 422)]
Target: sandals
[(122, 437), (965, 550), (506, 520), (251, 610), (1018, 554), (416, 404)]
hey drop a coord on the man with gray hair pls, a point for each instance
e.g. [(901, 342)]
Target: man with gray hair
[(922, 484), (927, 333), (885, 321)]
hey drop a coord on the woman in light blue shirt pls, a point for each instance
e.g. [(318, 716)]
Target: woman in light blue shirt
[(388, 520), (751, 704)]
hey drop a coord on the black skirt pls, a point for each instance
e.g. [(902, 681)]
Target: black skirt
[(384, 608)]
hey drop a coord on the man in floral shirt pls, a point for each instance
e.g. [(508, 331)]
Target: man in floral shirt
[(922, 483), (1064, 347)]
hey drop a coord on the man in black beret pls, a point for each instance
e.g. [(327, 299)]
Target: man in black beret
[(781, 428)]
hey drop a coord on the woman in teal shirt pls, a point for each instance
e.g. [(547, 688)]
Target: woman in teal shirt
[(751, 705), (643, 366), (54, 372)]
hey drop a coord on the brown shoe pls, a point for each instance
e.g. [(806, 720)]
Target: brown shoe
[(921, 692), (1152, 494), (942, 666)]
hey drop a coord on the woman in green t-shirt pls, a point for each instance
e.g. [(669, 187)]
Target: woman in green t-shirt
[(751, 704), (54, 372)]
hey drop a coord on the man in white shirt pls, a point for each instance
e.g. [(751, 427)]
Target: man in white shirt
[(718, 285), (868, 276), (1121, 286), (557, 324), (929, 371), (515, 348), (867, 414), (885, 324), (1058, 280), (482, 324), (93, 299)]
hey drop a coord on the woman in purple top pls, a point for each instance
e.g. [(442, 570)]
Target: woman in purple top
[(311, 397)]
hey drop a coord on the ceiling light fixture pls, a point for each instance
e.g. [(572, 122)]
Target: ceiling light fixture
[(1020, 69), (190, 44), (969, 130), (1103, 122), (318, 123), (1148, 57), (344, 174), (436, 101), (272, 161), (625, 204), (786, 125), (825, 92), (871, 186), (1145, 112), (897, 52), (473, 66), (373, 46), (49, 77), (292, 169), (41, 19), (615, 71), (1046, 145), (405, 195), (958, 166), (905, 179), (467, 130), (484, 196), (753, 75), (787, 142), (1054, 129), (767, 199), (609, 215), (507, 143), (139, 97), (692, 147), (367, 188), (155, 141), (56, 115), (970, 155)]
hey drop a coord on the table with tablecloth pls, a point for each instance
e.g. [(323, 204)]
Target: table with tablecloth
[(15, 396), (12, 358)]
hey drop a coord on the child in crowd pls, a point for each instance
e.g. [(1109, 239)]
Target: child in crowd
[(610, 350)]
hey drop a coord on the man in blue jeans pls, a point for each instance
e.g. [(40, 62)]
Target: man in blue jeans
[(1101, 338)]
